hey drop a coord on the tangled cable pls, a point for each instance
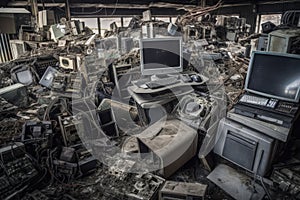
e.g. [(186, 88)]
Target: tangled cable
[(197, 12), (291, 18)]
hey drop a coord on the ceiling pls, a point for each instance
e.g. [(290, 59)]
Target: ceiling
[(137, 2), (130, 7)]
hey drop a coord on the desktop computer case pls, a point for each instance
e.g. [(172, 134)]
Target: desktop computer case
[(245, 147)]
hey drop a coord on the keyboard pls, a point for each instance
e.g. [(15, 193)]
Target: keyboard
[(261, 101), (16, 170), (43, 63), (162, 82), (15, 175)]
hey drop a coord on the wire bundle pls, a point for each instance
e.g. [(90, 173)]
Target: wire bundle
[(291, 18), (197, 12)]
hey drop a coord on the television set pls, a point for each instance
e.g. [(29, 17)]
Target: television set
[(161, 55), (18, 48), (46, 18), (24, 77), (110, 43), (22, 74), (67, 62), (48, 77), (284, 41), (57, 31), (274, 75)]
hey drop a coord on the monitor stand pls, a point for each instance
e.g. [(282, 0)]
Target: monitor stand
[(158, 76)]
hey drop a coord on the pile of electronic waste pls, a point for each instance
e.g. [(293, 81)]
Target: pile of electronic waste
[(43, 155)]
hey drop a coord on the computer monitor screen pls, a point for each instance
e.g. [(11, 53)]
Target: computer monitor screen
[(110, 43), (24, 77), (278, 44), (161, 56), (274, 75)]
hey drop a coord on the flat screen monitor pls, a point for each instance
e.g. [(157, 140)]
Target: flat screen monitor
[(161, 55), (274, 75)]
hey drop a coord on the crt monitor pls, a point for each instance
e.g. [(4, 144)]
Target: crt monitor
[(110, 43), (161, 55), (274, 75)]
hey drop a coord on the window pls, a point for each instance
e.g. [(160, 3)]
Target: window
[(233, 15), (173, 19), (89, 22), (165, 19), (126, 21), (105, 23), (274, 18), (221, 18)]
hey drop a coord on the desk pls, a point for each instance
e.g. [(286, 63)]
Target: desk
[(274, 131), (147, 98), (148, 101), (173, 87)]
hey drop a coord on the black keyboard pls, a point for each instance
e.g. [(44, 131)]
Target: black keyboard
[(16, 170), (270, 104), (265, 115), (43, 63)]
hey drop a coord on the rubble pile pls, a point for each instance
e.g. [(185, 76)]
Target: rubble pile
[(41, 90)]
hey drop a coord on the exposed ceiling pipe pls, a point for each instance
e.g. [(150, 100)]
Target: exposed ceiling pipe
[(135, 6)]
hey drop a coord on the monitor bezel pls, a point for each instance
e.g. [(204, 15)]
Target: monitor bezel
[(297, 96), (270, 46), (117, 42), (283, 35), (166, 70)]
